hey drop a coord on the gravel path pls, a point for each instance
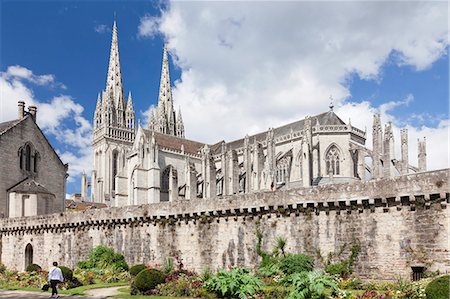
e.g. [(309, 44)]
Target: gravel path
[(103, 292)]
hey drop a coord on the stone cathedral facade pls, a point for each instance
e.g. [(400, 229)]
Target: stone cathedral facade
[(135, 165)]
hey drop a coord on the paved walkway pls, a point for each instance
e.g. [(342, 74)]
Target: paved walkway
[(5, 294), (94, 293)]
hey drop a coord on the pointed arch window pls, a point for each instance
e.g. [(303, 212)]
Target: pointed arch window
[(332, 161), (28, 158), (165, 180)]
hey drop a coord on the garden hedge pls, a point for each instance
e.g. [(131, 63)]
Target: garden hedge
[(148, 279), (134, 271)]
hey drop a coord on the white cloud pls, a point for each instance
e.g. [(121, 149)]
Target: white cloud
[(101, 28), (246, 66), (22, 73), (61, 117), (148, 26)]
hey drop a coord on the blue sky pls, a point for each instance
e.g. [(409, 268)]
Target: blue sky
[(236, 68)]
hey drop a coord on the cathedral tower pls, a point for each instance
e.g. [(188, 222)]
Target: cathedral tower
[(114, 129), (163, 118)]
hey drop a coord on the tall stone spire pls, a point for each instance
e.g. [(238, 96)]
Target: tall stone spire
[(165, 93), (114, 86), (164, 118)]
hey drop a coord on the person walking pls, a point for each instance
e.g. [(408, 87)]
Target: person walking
[(54, 277)]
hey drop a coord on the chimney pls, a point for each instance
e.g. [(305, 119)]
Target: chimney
[(32, 110), (21, 110)]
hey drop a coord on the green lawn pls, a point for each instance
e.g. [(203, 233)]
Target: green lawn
[(126, 295)]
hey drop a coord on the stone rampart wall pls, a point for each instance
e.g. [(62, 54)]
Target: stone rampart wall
[(398, 223)]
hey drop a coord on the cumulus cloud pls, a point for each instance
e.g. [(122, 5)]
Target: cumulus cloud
[(148, 26), (248, 66), (22, 73), (60, 117)]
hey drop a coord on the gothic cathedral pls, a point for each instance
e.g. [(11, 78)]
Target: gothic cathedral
[(135, 165)]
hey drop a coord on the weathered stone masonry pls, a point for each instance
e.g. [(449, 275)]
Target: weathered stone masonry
[(399, 223)]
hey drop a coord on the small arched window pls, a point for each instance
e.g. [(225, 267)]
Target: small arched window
[(332, 161)]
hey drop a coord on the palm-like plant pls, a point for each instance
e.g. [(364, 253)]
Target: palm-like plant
[(280, 245)]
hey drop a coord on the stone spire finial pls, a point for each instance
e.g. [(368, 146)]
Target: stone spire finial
[(114, 79), (99, 102), (331, 103), (130, 102)]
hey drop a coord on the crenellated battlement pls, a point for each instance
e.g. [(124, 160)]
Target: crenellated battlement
[(408, 192)]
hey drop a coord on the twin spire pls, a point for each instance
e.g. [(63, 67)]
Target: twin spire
[(163, 118), (111, 110)]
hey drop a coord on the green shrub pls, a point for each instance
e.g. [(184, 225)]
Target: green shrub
[(2, 268), (85, 265), (438, 288), (238, 283), (273, 292), (102, 257), (342, 269), (148, 279), (134, 271), (296, 263), (67, 273), (181, 286), (307, 285), (86, 277), (33, 268)]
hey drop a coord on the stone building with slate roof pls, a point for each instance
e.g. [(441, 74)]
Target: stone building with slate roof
[(135, 165), (32, 176)]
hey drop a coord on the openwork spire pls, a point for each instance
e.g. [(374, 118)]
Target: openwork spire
[(114, 86), (165, 93), (164, 118)]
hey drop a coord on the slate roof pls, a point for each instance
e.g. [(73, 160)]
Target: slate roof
[(172, 142), (6, 126), (29, 185), (194, 147), (327, 118)]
